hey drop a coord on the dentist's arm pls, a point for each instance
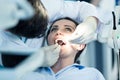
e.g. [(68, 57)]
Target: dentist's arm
[(44, 57)]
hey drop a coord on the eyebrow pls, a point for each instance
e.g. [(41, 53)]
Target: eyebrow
[(55, 26), (70, 26)]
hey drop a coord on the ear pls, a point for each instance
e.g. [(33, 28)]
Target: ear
[(80, 47)]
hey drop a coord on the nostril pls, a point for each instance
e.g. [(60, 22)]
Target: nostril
[(58, 33)]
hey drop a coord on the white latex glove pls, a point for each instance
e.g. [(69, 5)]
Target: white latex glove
[(85, 32), (44, 57), (51, 55), (11, 11)]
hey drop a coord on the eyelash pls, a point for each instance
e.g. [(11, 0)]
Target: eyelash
[(66, 29), (70, 30), (53, 29)]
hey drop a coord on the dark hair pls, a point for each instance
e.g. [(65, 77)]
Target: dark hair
[(89, 1), (35, 26), (76, 23)]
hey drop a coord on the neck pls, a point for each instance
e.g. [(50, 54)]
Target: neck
[(62, 63)]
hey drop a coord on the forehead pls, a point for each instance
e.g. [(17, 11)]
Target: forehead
[(64, 22)]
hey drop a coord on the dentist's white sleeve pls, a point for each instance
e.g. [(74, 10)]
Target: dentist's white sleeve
[(74, 9)]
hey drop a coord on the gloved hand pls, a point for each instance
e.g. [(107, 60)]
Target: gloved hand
[(11, 11), (44, 57), (85, 32), (51, 55)]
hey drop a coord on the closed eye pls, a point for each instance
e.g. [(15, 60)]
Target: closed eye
[(54, 28), (69, 29)]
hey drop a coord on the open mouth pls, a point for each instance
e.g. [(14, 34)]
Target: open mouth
[(60, 42)]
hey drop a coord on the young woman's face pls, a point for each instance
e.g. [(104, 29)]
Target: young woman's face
[(59, 33)]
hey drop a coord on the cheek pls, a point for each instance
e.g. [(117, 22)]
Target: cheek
[(68, 49), (50, 39), (67, 37)]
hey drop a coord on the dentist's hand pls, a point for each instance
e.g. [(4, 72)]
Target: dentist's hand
[(51, 55), (44, 57), (85, 32)]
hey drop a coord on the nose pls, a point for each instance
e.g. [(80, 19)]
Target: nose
[(59, 32)]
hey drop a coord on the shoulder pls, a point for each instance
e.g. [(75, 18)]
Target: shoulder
[(86, 69), (90, 72), (94, 72), (90, 69)]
